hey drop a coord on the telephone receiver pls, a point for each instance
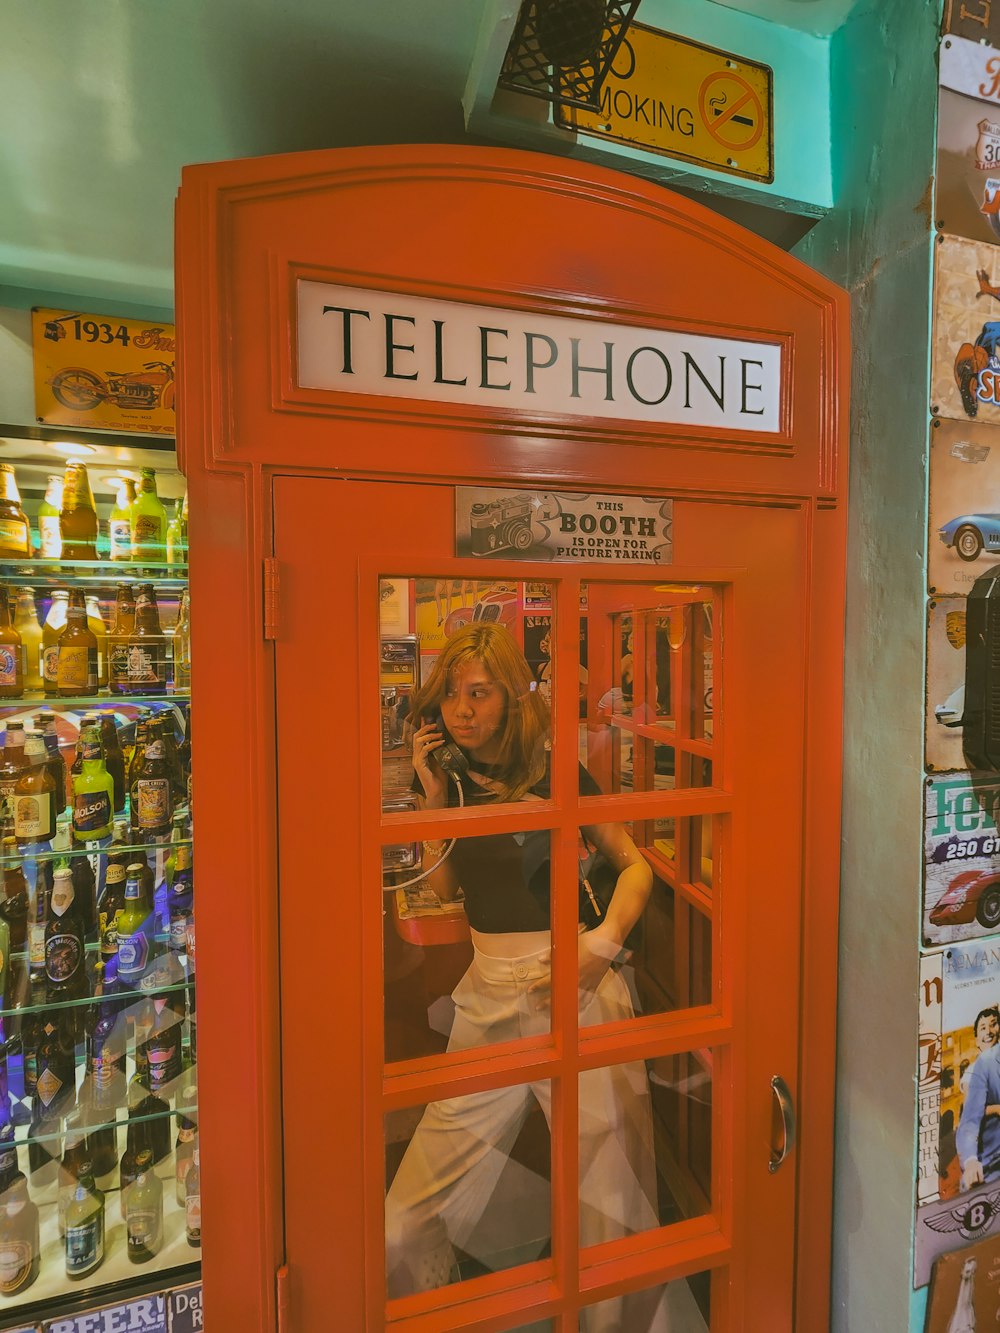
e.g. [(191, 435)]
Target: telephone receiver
[(451, 758)]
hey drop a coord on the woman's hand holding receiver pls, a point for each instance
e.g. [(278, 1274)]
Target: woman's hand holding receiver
[(427, 739)]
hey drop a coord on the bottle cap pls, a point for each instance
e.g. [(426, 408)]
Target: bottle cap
[(135, 869)]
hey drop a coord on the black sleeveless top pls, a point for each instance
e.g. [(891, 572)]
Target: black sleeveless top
[(505, 876)]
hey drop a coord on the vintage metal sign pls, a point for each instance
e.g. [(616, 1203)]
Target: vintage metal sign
[(965, 363), (562, 525), (668, 95), (968, 188), (391, 345), (101, 372), (961, 858), (964, 536), (945, 684), (976, 20)]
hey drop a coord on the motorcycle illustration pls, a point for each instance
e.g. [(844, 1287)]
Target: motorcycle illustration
[(81, 389)]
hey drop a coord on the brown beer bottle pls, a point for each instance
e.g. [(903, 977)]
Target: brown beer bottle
[(34, 796), (150, 805), (20, 1246), (45, 723), (78, 519), (121, 631), (114, 760), (15, 531), (147, 646), (11, 653), (13, 762), (77, 663), (55, 623), (14, 905)]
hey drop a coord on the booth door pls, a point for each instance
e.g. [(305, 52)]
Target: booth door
[(484, 1129)]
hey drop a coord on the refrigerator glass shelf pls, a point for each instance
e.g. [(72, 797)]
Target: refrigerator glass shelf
[(96, 849), (128, 999), (100, 573), (83, 702)]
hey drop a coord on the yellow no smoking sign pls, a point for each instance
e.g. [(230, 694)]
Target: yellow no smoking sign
[(669, 95)]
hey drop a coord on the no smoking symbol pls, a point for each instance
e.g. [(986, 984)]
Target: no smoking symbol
[(731, 110)]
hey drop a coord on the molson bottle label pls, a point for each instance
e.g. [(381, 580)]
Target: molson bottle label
[(31, 816), (91, 811), (133, 955)]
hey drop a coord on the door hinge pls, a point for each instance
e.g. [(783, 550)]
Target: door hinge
[(281, 1292), (272, 588)]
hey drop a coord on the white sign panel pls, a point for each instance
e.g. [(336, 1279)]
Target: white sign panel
[(970, 68), (370, 342)]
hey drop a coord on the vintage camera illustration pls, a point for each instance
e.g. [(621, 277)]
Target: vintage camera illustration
[(500, 525)]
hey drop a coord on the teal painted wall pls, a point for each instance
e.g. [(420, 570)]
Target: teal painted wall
[(878, 243)]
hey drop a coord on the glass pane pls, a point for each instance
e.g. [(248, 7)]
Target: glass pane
[(645, 1145), (647, 943), (648, 721), (468, 1187), (681, 1306), (473, 657), (467, 945)]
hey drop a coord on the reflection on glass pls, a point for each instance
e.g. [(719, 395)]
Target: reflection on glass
[(654, 939), (649, 717), (681, 1306), (651, 1165), (468, 1187), (456, 979)]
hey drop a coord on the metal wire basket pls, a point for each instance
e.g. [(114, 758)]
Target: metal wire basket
[(563, 50)]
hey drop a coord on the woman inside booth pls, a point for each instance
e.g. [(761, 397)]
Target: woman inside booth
[(481, 724)]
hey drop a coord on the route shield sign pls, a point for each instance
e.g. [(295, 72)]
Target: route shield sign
[(668, 95)]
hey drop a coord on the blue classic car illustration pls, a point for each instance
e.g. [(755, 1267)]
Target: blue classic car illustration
[(972, 533)]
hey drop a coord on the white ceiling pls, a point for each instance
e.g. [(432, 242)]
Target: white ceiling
[(103, 101)]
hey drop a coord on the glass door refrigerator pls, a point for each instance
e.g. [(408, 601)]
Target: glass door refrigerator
[(99, 1162)]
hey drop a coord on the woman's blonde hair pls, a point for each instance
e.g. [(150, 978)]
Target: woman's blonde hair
[(521, 759)]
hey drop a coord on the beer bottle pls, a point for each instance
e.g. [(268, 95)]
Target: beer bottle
[(109, 909), (11, 653), (120, 524), (55, 622), (163, 1045), (121, 632), (114, 760), (192, 1200), (180, 900), (14, 906), (137, 945), (84, 1230), (147, 646), (65, 942), (177, 537), (26, 624), (148, 1108), (8, 1144), (144, 1213), (182, 645), (149, 521), (187, 1130), (76, 665), (45, 722), (95, 622), (20, 1244), (105, 1067), (13, 762), (76, 1164), (151, 806), (78, 517), (38, 920), (55, 1092), (31, 1032), (49, 534), (15, 533), (138, 1155), (163, 730), (93, 791), (34, 796)]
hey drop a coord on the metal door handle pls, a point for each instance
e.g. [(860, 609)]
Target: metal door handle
[(787, 1108)]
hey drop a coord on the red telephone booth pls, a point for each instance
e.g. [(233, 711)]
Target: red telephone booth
[(440, 396)]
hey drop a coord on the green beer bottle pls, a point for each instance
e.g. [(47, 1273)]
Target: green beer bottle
[(93, 790)]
